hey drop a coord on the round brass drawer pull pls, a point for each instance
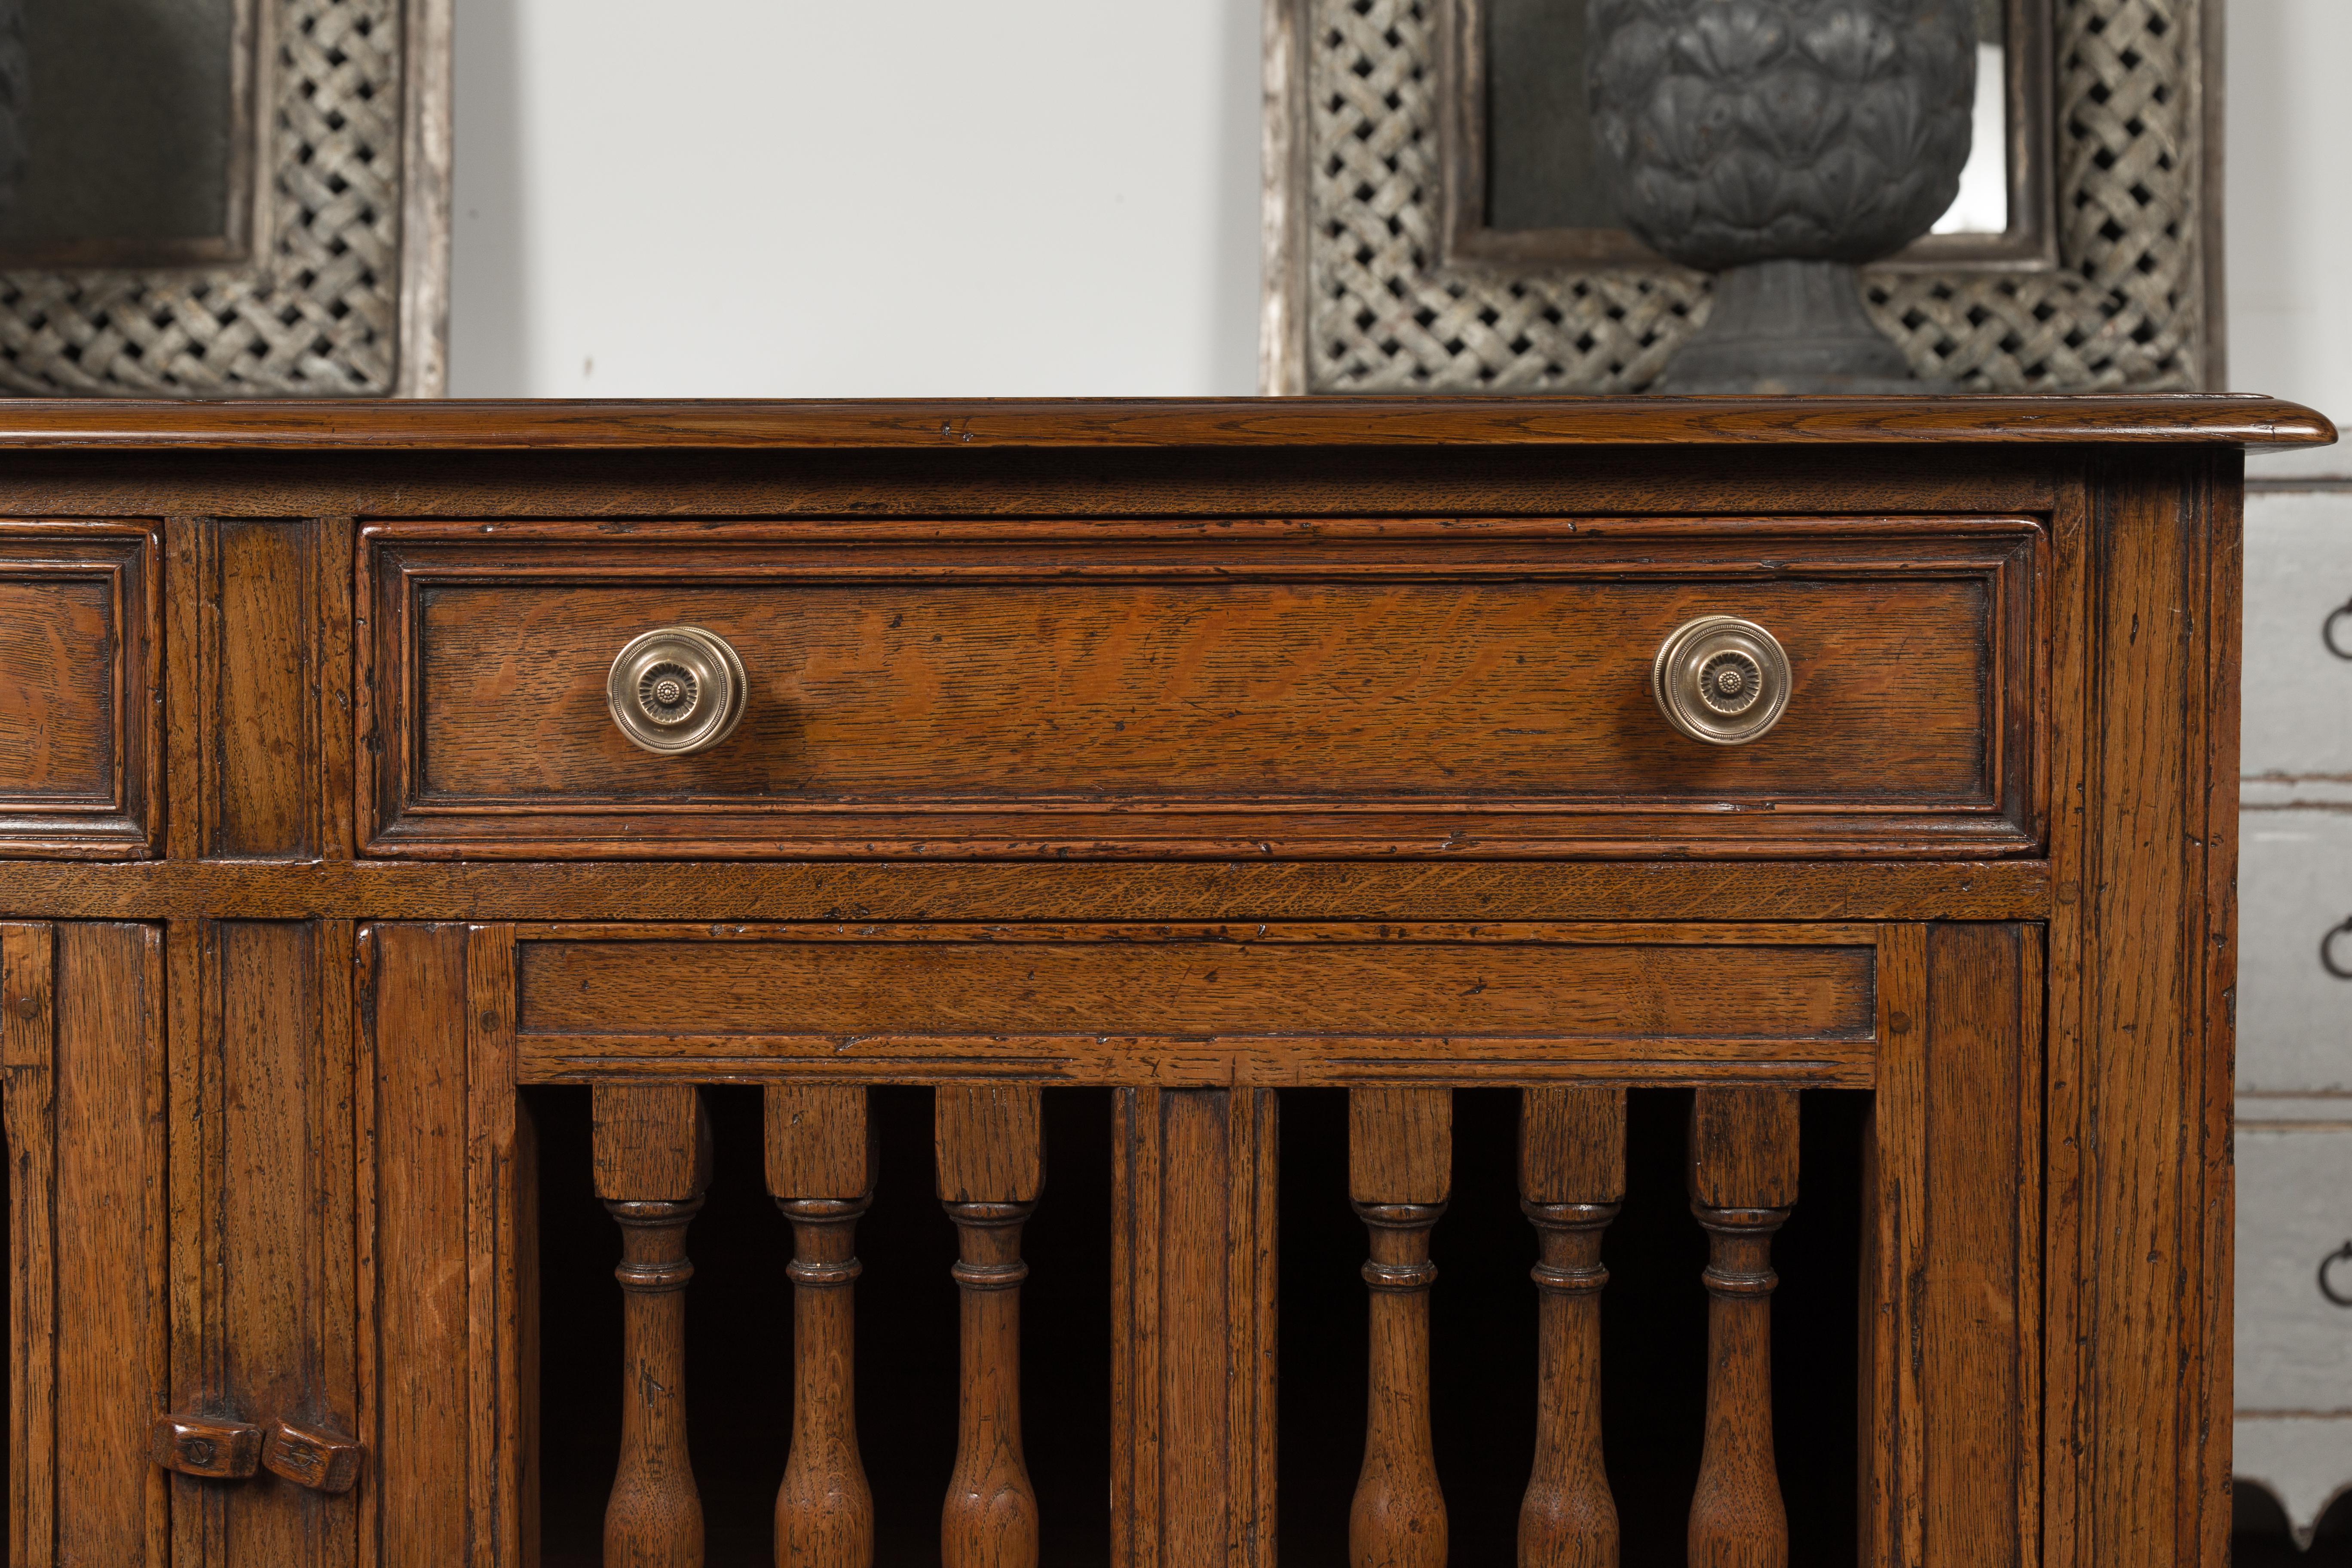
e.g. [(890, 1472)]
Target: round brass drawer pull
[(676, 690), (1720, 679)]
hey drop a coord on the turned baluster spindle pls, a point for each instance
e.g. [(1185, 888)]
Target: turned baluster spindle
[(1571, 1181), (991, 1165), (1399, 1169), (820, 1168), (653, 1162), (1743, 1179)]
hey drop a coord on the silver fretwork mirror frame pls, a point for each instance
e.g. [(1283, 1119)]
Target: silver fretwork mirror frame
[(339, 285), (1361, 295)]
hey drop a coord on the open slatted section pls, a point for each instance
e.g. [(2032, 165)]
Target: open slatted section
[(1631, 1202), (653, 1162)]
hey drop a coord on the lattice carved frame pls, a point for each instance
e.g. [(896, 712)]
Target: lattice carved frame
[(1357, 301), (344, 293)]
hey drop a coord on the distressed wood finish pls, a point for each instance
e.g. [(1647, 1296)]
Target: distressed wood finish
[(984, 425), (1202, 1007), (82, 1040), (81, 733), (1571, 1182), (1399, 1173), (821, 1161), (1193, 1315), (1427, 687), (263, 1144), (653, 1162), (991, 1166), (1205, 752), (1743, 1179)]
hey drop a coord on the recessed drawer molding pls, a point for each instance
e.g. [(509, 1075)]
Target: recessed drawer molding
[(1260, 690), (80, 726)]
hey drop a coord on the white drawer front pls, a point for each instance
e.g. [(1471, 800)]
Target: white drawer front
[(2294, 1363), (2298, 696), (2295, 1018), (2295, 1208)]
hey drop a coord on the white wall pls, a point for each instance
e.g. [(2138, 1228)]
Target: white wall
[(2289, 221), (806, 199), (1052, 197)]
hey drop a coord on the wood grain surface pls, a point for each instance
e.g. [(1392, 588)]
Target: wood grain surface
[(1743, 1165), (1400, 1174), (90, 1283), (822, 1163), (846, 982), (1477, 691), (552, 425), (653, 1160), (1658, 890), (990, 1143), (1571, 1182), (80, 724), (1194, 1400), (1191, 749), (2142, 970), (265, 1178), (414, 1017)]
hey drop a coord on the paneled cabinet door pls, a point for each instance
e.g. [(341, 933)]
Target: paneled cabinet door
[(269, 1305), (184, 1116), (82, 1084)]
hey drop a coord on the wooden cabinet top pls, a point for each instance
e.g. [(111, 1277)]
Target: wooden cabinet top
[(2235, 420)]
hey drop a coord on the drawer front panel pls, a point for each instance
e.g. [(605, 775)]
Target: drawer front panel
[(79, 748), (1282, 692), (1206, 1004)]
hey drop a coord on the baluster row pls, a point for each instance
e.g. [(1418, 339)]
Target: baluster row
[(653, 1162), (1743, 1181), (653, 1158)]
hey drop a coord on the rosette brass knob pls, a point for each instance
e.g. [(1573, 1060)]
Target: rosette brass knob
[(676, 690), (1720, 679)]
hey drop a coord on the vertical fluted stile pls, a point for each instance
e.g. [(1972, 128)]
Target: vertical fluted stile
[(991, 1166), (1571, 1182), (1743, 1179), (653, 1164), (1399, 1171), (820, 1170)]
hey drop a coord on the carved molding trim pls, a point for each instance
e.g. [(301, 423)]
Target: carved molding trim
[(346, 293), (1355, 300)]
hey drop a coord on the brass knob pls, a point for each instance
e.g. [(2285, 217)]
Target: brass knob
[(1720, 679), (676, 690)]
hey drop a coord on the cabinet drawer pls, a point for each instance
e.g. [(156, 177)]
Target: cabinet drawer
[(1454, 688), (80, 751)]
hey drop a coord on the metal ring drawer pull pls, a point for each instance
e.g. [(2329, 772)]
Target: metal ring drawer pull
[(1720, 679), (2328, 630), (2327, 951), (676, 690), (2341, 1255)]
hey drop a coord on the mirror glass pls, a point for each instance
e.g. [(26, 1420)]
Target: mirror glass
[(1539, 152), (129, 129)]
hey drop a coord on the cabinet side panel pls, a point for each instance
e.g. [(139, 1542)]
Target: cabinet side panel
[(416, 1026), (2140, 1042), (111, 1229)]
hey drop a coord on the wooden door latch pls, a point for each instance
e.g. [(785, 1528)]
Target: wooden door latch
[(233, 1450)]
